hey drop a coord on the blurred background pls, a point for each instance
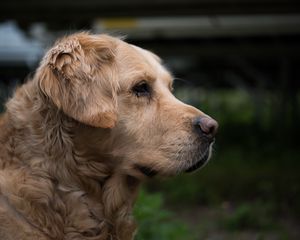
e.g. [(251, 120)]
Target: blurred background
[(237, 60)]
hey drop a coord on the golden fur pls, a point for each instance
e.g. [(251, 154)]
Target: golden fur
[(74, 139)]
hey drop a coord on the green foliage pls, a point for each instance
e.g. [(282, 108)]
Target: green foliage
[(257, 216), (155, 222)]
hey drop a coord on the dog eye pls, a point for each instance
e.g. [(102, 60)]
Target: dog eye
[(141, 89)]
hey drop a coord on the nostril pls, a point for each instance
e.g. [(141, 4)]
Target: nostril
[(207, 126)]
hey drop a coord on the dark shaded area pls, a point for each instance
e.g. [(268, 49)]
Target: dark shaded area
[(78, 14)]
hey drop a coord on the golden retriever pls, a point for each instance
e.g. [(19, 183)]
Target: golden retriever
[(77, 139)]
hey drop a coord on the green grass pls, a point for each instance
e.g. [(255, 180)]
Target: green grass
[(155, 222)]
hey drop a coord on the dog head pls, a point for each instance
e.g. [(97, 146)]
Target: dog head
[(124, 91)]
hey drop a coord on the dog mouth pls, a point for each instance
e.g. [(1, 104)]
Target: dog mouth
[(147, 171), (200, 163), (199, 159)]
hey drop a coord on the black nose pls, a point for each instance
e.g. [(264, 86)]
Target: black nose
[(206, 126)]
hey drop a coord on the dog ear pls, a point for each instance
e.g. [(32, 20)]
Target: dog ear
[(77, 75)]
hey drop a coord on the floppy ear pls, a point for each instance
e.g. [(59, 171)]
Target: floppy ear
[(77, 75)]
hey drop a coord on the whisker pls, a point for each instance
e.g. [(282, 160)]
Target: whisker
[(185, 81)]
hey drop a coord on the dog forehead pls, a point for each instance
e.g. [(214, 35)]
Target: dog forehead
[(155, 63), (152, 59)]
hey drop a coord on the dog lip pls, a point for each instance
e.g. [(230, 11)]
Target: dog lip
[(198, 164)]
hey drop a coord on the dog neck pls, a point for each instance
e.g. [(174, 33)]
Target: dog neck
[(63, 158)]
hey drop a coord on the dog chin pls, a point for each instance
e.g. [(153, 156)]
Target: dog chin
[(201, 161)]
